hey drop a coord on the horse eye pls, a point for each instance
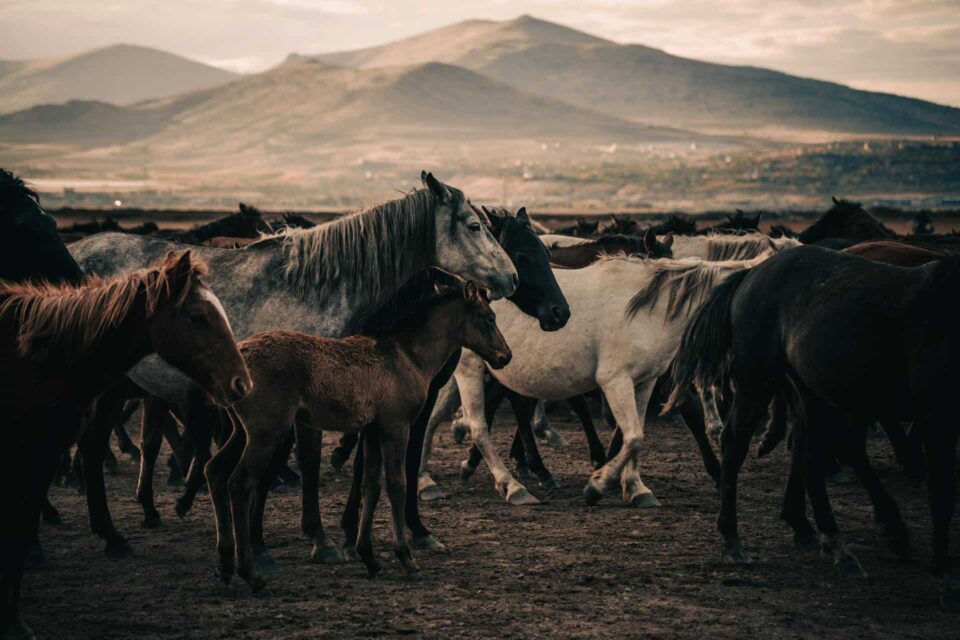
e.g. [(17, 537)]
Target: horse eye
[(198, 318), (474, 227)]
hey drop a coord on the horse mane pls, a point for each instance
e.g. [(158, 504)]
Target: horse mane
[(423, 291), (12, 187), (69, 319), (370, 250), (686, 282), (738, 246)]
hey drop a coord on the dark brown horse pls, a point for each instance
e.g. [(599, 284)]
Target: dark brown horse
[(373, 384), (61, 346), (578, 256)]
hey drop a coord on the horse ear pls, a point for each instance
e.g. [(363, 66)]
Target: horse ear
[(484, 215), (667, 240), (522, 217), (650, 239), (436, 187), (835, 201), (756, 220)]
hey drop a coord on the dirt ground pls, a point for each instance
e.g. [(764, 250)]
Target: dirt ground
[(559, 570)]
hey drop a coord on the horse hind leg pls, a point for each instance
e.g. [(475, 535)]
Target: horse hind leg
[(524, 408), (341, 453), (309, 457), (581, 408), (393, 444), (444, 407), (218, 471), (155, 414), (371, 495)]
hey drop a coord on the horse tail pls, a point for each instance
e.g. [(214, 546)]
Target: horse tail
[(705, 347)]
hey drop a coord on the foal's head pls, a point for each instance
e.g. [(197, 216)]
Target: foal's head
[(189, 329), (480, 332)]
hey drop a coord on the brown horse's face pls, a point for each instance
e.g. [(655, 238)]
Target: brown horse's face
[(196, 338), (480, 332)]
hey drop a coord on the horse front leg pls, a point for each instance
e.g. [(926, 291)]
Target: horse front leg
[(940, 440), (629, 405), (448, 398), (152, 426), (470, 381), (92, 446)]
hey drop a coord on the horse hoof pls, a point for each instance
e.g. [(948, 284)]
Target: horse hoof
[(266, 564), (524, 473), (459, 433), (415, 576), (645, 501), (430, 493), (521, 497), (350, 554), (806, 541), (374, 569), (427, 543), (119, 549), (224, 575), (554, 439), (337, 460), (326, 555), (849, 567), (466, 470), (591, 494), (550, 483), (152, 522), (260, 589), (733, 553)]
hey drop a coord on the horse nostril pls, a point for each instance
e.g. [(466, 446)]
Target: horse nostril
[(515, 280), (557, 312), (240, 387)]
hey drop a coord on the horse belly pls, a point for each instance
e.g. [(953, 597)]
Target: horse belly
[(549, 367)]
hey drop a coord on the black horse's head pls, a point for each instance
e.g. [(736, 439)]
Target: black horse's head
[(538, 295), (845, 219), (30, 247)]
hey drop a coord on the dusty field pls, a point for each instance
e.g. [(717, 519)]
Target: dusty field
[(560, 570)]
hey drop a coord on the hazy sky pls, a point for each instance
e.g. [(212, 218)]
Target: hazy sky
[(910, 47)]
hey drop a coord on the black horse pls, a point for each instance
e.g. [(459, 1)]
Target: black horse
[(846, 341), (30, 249), (844, 224)]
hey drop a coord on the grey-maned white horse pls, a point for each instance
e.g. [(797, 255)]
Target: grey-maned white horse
[(328, 280), (627, 317)]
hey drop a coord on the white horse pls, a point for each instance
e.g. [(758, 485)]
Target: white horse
[(627, 317)]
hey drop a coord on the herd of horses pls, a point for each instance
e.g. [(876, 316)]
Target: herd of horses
[(382, 323)]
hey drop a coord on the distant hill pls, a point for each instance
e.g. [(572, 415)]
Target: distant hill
[(119, 74), (299, 105), (647, 85)]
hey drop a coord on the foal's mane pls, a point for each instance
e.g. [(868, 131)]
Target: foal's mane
[(419, 294), (370, 250), (12, 187), (686, 282), (69, 319)]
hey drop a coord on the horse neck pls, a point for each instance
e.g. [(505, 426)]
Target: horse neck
[(115, 352), (431, 343)]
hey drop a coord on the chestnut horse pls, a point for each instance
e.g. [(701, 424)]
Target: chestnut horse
[(373, 384), (61, 346)]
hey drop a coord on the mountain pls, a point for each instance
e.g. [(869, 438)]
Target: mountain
[(119, 74), (647, 85), (472, 40), (298, 106)]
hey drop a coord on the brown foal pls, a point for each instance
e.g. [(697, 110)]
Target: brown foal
[(375, 384)]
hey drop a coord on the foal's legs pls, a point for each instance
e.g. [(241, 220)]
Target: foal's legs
[(309, 452), (200, 420), (629, 405), (154, 421), (218, 471), (393, 444), (371, 495)]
